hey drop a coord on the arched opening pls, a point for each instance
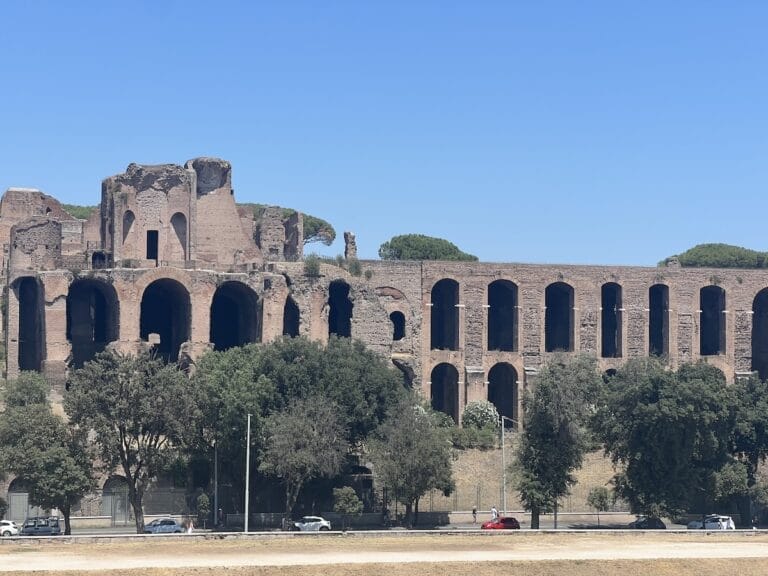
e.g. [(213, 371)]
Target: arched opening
[(291, 318), (610, 320), (340, 313), (502, 316), (234, 316), (179, 224), (712, 329), (166, 313), (502, 390), (398, 325), (760, 334), (444, 390), (658, 320), (31, 323), (19, 508), (608, 374), (558, 317), (128, 220), (444, 318), (92, 318), (114, 500)]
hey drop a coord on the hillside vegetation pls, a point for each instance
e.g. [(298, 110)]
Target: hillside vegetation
[(720, 256)]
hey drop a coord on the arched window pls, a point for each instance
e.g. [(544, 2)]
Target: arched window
[(398, 325), (291, 318), (340, 313), (93, 318), (179, 224), (502, 316), (658, 320), (712, 327), (128, 220), (610, 320), (444, 318), (166, 313), (558, 318), (502, 390), (445, 390)]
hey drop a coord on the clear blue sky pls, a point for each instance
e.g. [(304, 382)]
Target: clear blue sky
[(552, 132)]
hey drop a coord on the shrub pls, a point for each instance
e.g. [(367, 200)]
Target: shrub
[(480, 414), (354, 267), (312, 266)]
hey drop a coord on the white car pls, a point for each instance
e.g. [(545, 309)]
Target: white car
[(312, 524), (9, 528), (713, 522)]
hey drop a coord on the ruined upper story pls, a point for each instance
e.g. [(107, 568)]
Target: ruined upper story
[(151, 216)]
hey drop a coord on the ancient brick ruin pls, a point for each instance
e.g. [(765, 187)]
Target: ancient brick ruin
[(170, 261)]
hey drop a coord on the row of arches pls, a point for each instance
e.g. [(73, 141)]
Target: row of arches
[(93, 317), (559, 319), (503, 390)]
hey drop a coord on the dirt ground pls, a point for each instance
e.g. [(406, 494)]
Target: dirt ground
[(593, 553)]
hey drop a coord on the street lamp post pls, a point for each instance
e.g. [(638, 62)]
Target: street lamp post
[(504, 464), (247, 469), (215, 483)]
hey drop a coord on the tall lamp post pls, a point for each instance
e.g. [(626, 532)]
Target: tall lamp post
[(247, 469), (504, 463), (215, 483)]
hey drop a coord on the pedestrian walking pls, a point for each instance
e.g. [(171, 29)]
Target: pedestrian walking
[(474, 514)]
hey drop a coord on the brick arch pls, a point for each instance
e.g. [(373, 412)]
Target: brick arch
[(444, 390), (166, 310), (235, 317), (444, 315), (93, 317)]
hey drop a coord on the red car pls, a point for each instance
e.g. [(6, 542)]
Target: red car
[(507, 523)]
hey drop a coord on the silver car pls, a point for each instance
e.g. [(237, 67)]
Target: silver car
[(713, 522), (312, 524), (9, 528)]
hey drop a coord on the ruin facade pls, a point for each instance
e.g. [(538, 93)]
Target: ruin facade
[(169, 260)]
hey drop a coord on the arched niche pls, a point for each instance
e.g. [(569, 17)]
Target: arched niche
[(93, 318), (234, 316)]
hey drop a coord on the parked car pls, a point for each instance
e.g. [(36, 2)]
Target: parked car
[(9, 528), (41, 526), (312, 524), (713, 522), (647, 523), (502, 523), (163, 526)]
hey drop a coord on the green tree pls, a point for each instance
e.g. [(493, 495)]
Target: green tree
[(411, 454), (669, 435), (720, 256), (599, 498), (480, 414), (140, 411), (203, 505), (51, 456), (314, 229), (81, 212), (420, 247), (304, 442), (347, 503), (555, 437)]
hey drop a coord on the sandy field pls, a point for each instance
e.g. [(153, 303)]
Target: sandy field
[(447, 554)]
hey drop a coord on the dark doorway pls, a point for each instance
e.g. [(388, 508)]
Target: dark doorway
[(340, 314), (760, 334), (658, 320), (445, 315), (398, 325), (234, 316), (31, 324), (152, 243), (502, 390), (445, 390), (166, 311), (98, 260), (558, 318), (712, 334), (291, 318), (610, 320), (502, 316), (92, 318)]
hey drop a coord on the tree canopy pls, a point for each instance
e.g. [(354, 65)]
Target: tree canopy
[(420, 247), (411, 454), (264, 379), (140, 411), (720, 256), (303, 442), (81, 212), (556, 435), (51, 457), (669, 436)]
